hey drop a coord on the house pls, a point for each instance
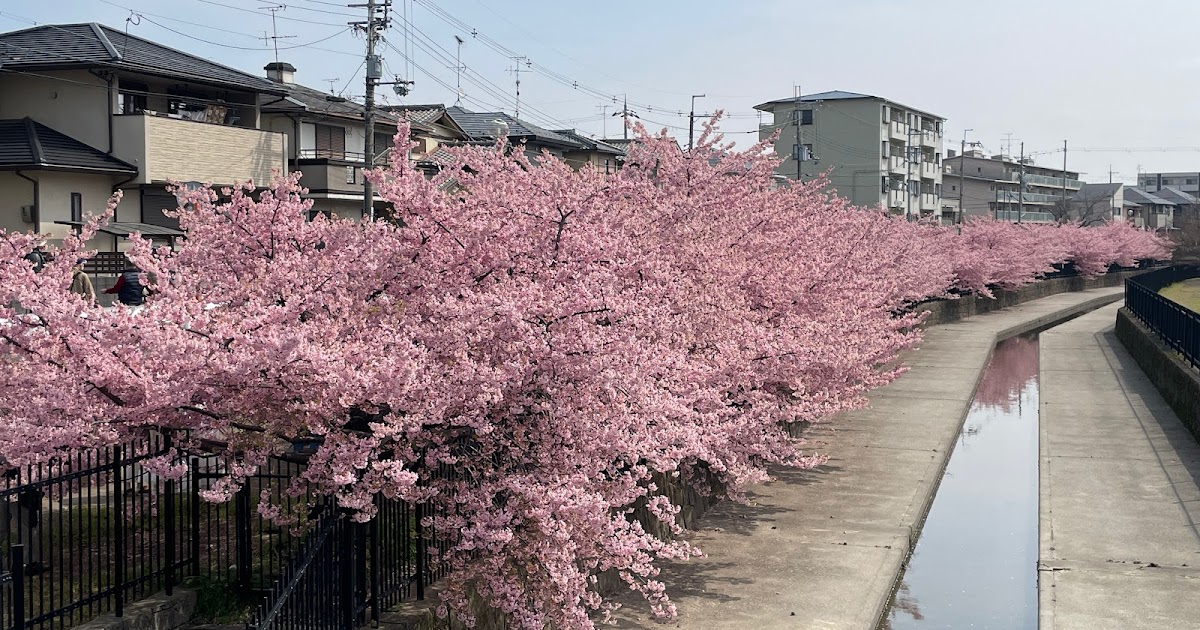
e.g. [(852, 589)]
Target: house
[(486, 126), (327, 139), (600, 154), (989, 186), (1093, 204), (878, 151), (1152, 212), (1187, 206), (87, 110)]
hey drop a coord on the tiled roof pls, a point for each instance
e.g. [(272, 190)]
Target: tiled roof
[(833, 95), (93, 45), (590, 144), (301, 98), (1097, 191), (1142, 197), (418, 113), (480, 125), (1170, 193), (25, 143)]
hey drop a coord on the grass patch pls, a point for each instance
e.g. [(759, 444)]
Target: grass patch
[(218, 602), (1186, 293)]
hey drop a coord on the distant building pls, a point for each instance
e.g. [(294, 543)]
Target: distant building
[(485, 126), (1154, 182), (989, 186), (877, 152), (1096, 203), (1152, 211), (602, 155)]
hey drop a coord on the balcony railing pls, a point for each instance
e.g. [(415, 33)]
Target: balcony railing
[(174, 149), (1043, 180), (1010, 196), (1025, 217)]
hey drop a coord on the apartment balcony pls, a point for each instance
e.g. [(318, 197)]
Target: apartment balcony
[(930, 202), (1049, 182), (931, 139), (175, 149), (1028, 216), (930, 170), (898, 131), (895, 164), (1010, 196), (896, 199)]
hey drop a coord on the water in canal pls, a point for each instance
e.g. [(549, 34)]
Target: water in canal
[(975, 564)]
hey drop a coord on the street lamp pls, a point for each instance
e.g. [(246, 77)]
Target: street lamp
[(692, 120)]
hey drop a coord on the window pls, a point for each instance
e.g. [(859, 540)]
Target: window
[(953, 187), (330, 142), (802, 152), (76, 207), (908, 119), (937, 159), (1191, 181), (937, 190), (885, 115), (886, 145), (1116, 212), (132, 98), (914, 187), (885, 183), (805, 116)]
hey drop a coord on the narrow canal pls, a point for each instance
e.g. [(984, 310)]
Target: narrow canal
[(975, 563)]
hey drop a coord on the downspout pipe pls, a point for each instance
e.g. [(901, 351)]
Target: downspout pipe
[(37, 201)]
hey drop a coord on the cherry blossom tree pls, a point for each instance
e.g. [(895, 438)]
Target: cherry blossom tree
[(561, 341)]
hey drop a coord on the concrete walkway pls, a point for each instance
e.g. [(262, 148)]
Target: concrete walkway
[(823, 548), (1120, 500)]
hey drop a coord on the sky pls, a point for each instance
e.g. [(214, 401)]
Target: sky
[(1118, 80)]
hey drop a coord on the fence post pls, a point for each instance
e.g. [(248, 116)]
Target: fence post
[(347, 571), (17, 558), (119, 529), (169, 500), (194, 505), (241, 527), (376, 561), (420, 554)]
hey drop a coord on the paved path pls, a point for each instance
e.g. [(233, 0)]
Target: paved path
[(1120, 500), (821, 549)]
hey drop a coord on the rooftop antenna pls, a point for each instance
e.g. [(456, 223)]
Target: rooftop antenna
[(275, 36), (331, 82), (516, 70)]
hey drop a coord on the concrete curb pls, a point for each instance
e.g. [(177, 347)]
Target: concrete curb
[(1174, 379)]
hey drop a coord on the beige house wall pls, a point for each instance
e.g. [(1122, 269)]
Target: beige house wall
[(55, 189), (168, 149), (73, 102)]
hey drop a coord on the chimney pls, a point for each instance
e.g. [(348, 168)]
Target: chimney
[(281, 72)]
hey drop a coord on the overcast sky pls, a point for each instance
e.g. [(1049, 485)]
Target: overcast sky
[(1118, 80)]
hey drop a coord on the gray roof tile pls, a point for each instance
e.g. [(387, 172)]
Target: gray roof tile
[(25, 143), (590, 144), (301, 98), (479, 125), (95, 45), (1142, 197)]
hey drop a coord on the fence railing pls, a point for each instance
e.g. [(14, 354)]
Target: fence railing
[(90, 532), (1177, 325)]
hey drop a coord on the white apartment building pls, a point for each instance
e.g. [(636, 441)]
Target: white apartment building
[(876, 151), (1187, 182)]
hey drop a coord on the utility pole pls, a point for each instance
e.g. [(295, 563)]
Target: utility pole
[(625, 114), (603, 120), (275, 36), (1064, 176), (517, 72), (374, 67), (908, 164), (458, 71), (962, 174), (692, 128), (1021, 186)]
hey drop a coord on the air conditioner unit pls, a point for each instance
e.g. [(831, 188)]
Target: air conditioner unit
[(27, 214)]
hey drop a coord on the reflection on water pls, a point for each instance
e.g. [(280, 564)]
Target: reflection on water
[(975, 564)]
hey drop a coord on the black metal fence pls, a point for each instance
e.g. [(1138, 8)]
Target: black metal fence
[(90, 532), (1176, 324)]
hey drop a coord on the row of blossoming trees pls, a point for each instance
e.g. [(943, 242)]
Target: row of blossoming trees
[(556, 337)]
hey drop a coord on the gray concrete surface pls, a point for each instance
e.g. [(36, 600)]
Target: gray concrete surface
[(823, 548), (1120, 500)]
